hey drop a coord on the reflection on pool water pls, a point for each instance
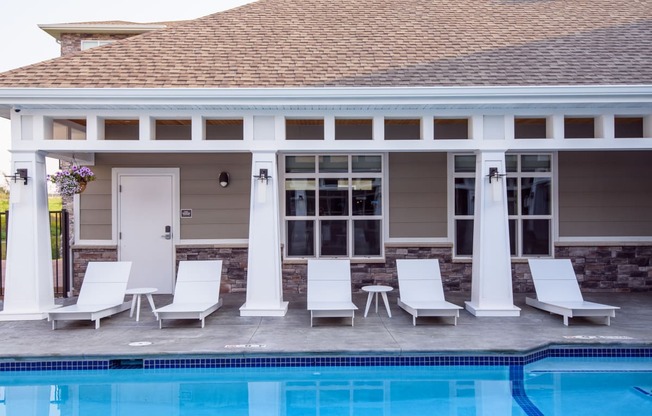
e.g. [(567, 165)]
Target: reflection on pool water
[(550, 386)]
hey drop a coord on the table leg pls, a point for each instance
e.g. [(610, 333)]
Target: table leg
[(151, 304), (133, 306), (138, 309), (376, 302), (366, 309), (386, 304)]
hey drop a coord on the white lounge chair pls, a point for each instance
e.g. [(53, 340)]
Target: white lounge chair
[(329, 289), (102, 294), (558, 291), (421, 292), (196, 293)]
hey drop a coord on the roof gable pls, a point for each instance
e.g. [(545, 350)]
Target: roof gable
[(312, 43)]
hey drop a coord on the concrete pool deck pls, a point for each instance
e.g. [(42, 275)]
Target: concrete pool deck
[(226, 332)]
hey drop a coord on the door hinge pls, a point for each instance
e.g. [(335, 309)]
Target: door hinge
[(120, 236), (119, 188)]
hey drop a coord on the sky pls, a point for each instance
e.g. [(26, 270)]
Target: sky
[(23, 43)]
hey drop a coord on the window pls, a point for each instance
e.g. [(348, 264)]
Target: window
[(529, 204), (333, 206), (88, 44)]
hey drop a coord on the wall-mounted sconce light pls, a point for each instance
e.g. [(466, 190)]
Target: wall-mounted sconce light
[(495, 185), (21, 174), (263, 178), (224, 179)]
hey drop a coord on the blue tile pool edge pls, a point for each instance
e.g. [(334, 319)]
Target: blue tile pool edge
[(424, 359)]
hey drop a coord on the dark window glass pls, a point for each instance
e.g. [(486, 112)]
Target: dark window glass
[(333, 197), (512, 196), (536, 163), (224, 129), (579, 128), (464, 196), (353, 129), (333, 238), (512, 163), (333, 164), (299, 197), (301, 238), (451, 128), (366, 197), (300, 164), (366, 238), (366, 164), (402, 129), (304, 129), (536, 237), (464, 237), (512, 237), (535, 196)]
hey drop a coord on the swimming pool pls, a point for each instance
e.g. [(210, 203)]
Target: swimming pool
[(551, 381)]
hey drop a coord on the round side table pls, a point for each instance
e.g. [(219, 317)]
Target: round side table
[(374, 291), (137, 292)]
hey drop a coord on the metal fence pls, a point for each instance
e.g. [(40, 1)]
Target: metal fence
[(60, 238)]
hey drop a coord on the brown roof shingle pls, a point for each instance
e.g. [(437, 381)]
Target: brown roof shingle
[(307, 43)]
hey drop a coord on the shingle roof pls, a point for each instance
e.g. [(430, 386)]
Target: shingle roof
[(307, 43)]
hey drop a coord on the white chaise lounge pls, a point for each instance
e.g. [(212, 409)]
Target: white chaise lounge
[(102, 294), (558, 291), (421, 292), (196, 293), (329, 289)]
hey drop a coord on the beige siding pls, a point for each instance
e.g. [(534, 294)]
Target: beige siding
[(216, 212), (417, 195), (605, 194)]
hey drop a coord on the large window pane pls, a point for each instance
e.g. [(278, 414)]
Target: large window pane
[(464, 196), (366, 164), (301, 238), (299, 197), (333, 197), (464, 163), (366, 197), (512, 196), (333, 238), (536, 237), (512, 163), (333, 164), (535, 194), (300, 164), (366, 241), (535, 163), (464, 237)]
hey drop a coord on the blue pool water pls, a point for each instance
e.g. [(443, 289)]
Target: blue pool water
[(541, 386)]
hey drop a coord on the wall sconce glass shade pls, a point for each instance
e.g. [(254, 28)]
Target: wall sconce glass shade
[(224, 179)]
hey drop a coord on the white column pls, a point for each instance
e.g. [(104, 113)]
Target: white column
[(491, 290), (264, 279), (29, 290)]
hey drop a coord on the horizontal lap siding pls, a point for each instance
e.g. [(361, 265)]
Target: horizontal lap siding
[(417, 195), (217, 213), (605, 194)]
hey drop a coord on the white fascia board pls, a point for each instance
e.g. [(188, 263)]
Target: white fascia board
[(274, 97), (55, 30)]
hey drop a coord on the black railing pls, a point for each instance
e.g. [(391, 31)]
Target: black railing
[(60, 238)]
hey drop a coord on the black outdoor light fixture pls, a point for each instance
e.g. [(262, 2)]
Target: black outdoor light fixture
[(224, 179), (493, 173), (21, 174)]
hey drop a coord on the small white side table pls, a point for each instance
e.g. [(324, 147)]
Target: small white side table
[(135, 300), (374, 291)]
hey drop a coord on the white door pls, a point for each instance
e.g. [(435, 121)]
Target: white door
[(145, 229)]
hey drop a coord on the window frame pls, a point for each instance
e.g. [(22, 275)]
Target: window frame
[(350, 218)]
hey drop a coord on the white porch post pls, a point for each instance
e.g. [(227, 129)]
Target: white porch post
[(264, 279), (29, 290), (491, 290)]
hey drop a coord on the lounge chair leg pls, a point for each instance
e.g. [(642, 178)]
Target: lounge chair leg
[(160, 323), (565, 320), (608, 321), (54, 324), (202, 322), (97, 324), (414, 320)]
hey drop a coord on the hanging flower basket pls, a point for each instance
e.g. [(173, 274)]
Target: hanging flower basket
[(72, 180)]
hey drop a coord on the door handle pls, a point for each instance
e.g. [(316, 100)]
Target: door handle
[(168, 233)]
